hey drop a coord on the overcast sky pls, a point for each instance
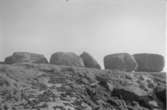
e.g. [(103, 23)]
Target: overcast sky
[(99, 27)]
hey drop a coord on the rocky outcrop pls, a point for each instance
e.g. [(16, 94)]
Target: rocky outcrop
[(66, 58), (53, 87), (149, 62), (25, 57), (120, 61), (89, 61)]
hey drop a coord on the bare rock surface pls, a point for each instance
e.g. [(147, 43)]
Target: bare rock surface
[(89, 61), (51, 87), (25, 57), (67, 59), (120, 61), (149, 62), (1, 62)]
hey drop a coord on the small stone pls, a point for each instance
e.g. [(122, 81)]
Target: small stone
[(153, 103)]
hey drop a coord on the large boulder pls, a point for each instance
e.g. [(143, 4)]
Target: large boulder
[(149, 62), (89, 61), (120, 61), (66, 58), (25, 57)]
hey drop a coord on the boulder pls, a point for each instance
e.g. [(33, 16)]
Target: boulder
[(66, 58), (25, 57), (120, 61), (149, 62), (89, 61)]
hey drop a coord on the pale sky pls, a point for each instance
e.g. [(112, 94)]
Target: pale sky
[(100, 27)]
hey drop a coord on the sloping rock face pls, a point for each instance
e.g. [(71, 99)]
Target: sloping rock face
[(51, 87), (67, 59), (149, 62), (89, 61), (25, 57), (120, 61)]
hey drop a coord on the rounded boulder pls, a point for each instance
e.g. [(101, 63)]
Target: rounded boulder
[(67, 59), (89, 61), (25, 57), (120, 61), (149, 62)]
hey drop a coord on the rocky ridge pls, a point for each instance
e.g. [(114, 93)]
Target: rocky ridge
[(140, 62), (30, 86)]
